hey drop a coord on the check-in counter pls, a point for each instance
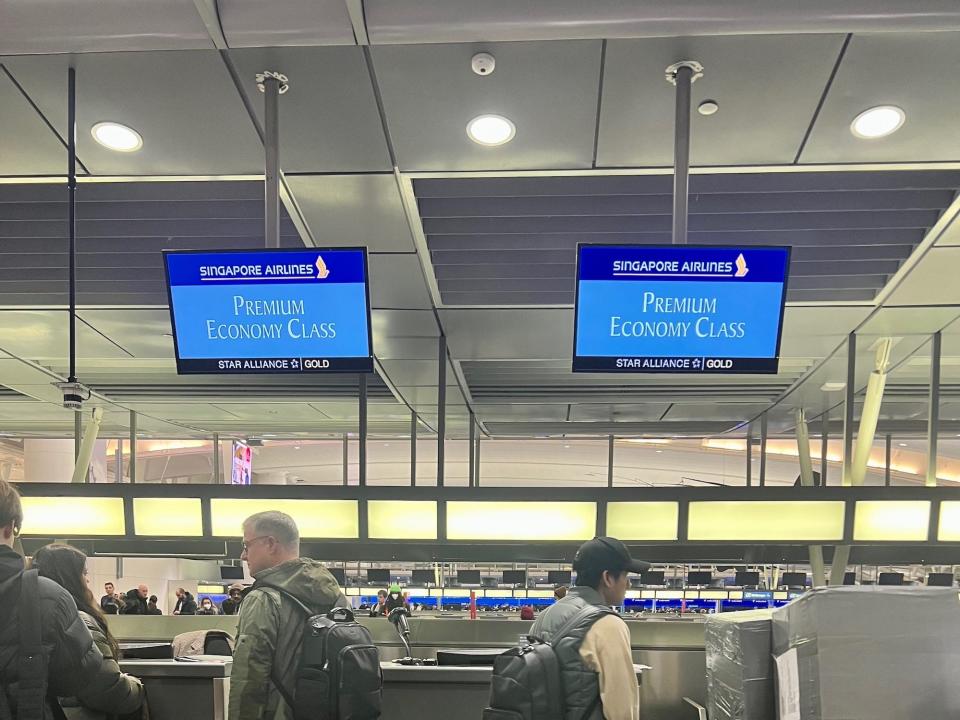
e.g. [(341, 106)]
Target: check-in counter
[(672, 648), (177, 690)]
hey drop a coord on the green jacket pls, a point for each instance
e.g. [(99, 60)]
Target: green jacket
[(268, 636)]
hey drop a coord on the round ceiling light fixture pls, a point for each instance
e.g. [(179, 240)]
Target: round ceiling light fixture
[(878, 122), (491, 130), (708, 107), (115, 136)]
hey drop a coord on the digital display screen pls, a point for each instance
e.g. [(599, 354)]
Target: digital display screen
[(514, 577), (794, 579), (890, 578), (940, 579), (559, 577), (378, 576), (698, 577), (653, 577), (231, 572), (679, 308), (468, 577), (849, 578), (270, 311), (423, 576), (747, 579), (242, 465), (340, 575)]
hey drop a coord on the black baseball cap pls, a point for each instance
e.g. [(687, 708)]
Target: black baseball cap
[(607, 553)]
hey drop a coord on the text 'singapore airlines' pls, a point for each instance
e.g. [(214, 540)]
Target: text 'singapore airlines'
[(679, 308)]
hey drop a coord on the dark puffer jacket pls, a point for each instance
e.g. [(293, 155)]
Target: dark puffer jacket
[(76, 665)]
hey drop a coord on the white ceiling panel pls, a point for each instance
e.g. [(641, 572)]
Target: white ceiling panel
[(27, 145), (42, 335), (916, 72), (80, 26), (777, 77), (396, 282), (184, 104), (253, 23), (900, 321), (500, 334), (933, 281), (404, 324), (328, 119), (626, 412), (353, 210), (144, 333), (548, 90)]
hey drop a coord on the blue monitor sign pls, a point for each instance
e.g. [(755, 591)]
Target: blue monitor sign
[(679, 308), (270, 311)]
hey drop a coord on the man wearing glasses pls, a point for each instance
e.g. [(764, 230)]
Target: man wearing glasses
[(271, 623)]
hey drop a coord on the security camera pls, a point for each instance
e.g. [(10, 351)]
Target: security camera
[(483, 63), (74, 394)]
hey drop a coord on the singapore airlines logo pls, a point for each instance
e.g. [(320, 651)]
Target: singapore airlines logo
[(323, 272), (742, 268)]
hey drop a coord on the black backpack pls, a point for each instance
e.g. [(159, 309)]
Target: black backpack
[(339, 676), (527, 682), (33, 667)]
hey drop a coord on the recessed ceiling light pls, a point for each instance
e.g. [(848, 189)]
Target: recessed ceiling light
[(491, 130), (708, 107), (296, 447), (902, 444), (833, 386), (877, 122), (115, 136)]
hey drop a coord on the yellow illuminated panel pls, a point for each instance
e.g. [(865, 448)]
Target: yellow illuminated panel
[(537, 521), (539, 593), (949, 528), (892, 520), (436, 592), (643, 520), (519, 593), (315, 518), (167, 517), (456, 593), (752, 520), (402, 519), (66, 516), (418, 591), (669, 594), (214, 589), (648, 594), (352, 592), (371, 590), (713, 594), (691, 594), (780, 595), (736, 594), (633, 595), (499, 593)]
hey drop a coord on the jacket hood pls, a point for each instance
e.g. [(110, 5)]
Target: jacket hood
[(307, 580), (133, 595), (11, 565)]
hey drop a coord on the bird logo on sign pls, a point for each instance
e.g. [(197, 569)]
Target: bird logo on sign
[(742, 268), (322, 271)]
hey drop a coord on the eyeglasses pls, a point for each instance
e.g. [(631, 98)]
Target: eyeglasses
[(247, 543)]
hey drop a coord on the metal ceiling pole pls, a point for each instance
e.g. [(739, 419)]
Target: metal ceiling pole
[(886, 465), (77, 434), (749, 457), (363, 430), (441, 405), (610, 461), (272, 85), (133, 447), (824, 447), (471, 480), (806, 479), (848, 408), (682, 75), (413, 447), (72, 210), (933, 421), (346, 459), (763, 450), (870, 413), (216, 458)]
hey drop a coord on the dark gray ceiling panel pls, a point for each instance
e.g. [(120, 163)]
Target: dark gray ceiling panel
[(512, 241), (918, 73), (776, 78), (27, 145), (549, 91), (254, 23), (328, 119), (183, 104)]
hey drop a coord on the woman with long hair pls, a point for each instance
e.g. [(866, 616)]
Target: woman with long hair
[(67, 567)]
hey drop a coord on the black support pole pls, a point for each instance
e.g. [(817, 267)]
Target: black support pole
[(441, 405), (363, 430), (72, 211)]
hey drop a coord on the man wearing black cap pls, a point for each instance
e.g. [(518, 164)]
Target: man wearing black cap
[(602, 565)]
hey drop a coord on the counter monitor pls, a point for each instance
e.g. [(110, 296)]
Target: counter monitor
[(270, 311), (514, 577), (679, 309), (378, 576)]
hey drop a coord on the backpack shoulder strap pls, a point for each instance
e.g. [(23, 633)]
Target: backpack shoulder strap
[(33, 665)]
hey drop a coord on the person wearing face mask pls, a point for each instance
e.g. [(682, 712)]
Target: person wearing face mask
[(207, 607)]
